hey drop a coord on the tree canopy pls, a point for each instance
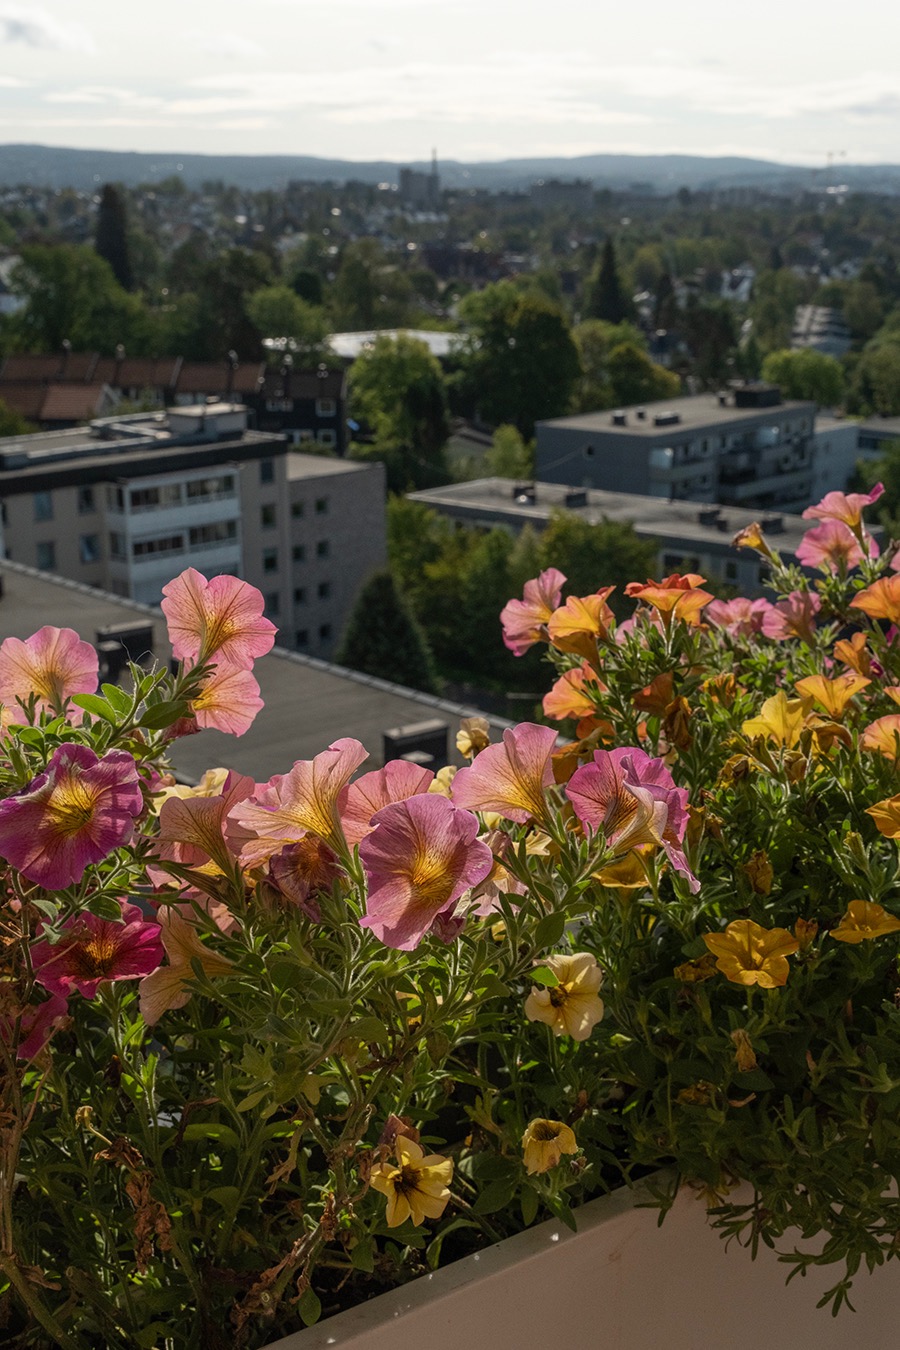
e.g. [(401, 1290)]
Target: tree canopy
[(397, 389), (806, 374)]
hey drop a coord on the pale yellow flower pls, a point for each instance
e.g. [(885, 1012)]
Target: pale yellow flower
[(780, 719), (865, 920), (416, 1187), (474, 735), (750, 954), (572, 1007), (210, 785), (443, 780), (544, 1142), (169, 986)]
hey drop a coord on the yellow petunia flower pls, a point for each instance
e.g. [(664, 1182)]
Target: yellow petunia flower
[(416, 1187), (544, 1142), (780, 719), (886, 815), (750, 954), (572, 1007), (832, 695), (865, 920)]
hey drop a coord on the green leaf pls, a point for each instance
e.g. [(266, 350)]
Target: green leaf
[(212, 1129), (753, 1081), (226, 1196), (492, 987), (544, 975), (362, 1256), (437, 1043), (160, 715), (369, 1029), (549, 930), (117, 697), (529, 1200), (310, 1307), (105, 907), (496, 1195), (96, 706)]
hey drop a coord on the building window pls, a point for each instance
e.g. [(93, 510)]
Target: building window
[(322, 548), (273, 601), (267, 471), (325, 407), (327, 437), (267, 516), (210, 536), (116, 545), (43, 506), (86, 502), (305, 435), (211, 487), (298, 553), (299, 595), (115, 498), (150, 548), (89, 548), (324, 590), (301, 637), (151, 498), (270, 560), (46, 556), (324, 631), (731, 571), (297, 510), (321, 506)]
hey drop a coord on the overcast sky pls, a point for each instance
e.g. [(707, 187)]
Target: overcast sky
[(478, 79)]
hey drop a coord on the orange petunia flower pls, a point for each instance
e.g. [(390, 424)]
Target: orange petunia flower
[(780, 720), (570, 696), (883, 736), (675, 596), (886, 815), (881, 600), (853, 653), (749, 954), (832, 695), (863, 921), (656, 696), (582, 622)]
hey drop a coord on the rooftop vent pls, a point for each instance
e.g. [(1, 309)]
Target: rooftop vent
[(709, 515), (666, 419), (620, 419), (641, 414), (576, 497), (723, 398), (419, 742), (757, 395), (774, 524), (526, 493)]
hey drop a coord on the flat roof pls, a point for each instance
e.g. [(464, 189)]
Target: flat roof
[(308, 703), (652, 517), (881, 426), (323, 466), (695, 411), (349, 346)]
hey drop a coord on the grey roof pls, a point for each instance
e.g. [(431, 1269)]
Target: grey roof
[(308, 703), (652, 517), (322, 466), (696, 412)]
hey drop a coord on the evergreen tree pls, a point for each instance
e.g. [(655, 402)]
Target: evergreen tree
[(111, 238), (606, 298), (383, 639)]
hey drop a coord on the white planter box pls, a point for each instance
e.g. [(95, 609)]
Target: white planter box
[(619, 1283)]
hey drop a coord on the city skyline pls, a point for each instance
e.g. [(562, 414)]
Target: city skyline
[(389, 79)]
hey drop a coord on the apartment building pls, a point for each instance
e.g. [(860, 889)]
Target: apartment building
[(125, 504), (690, 537), (744, 447)]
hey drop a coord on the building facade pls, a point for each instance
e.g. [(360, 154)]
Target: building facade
[(744, 448), (124, 505)]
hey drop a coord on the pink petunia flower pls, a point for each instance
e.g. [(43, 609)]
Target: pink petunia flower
[(308, 800), (36, 1022), (633, 800), (510, 778), (846, 507), (53, 664), (228, 701), (833, 546), (524, 621), (739, 617), (192, 829), (422, 855), (398, 780), (792, 617), (94, 950), (73, 814), (304, 871), (222, 617)]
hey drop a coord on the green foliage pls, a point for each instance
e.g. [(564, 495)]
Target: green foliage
[(369, 290), (606, 298), (510, 456), (111, 239), (595, 340), (72, 295), (806, 374), (397, 389), (634, 378), (519, 362), (383, 639), (876, 377), (13, 423), (278, 312)]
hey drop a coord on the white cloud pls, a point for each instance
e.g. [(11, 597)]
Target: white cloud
[(34, 27), (232, 46)]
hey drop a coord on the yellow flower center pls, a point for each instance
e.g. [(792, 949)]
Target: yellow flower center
[(430, 881), (95, 957), (71, 807)]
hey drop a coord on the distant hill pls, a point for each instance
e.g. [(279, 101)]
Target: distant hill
[(48, 166)]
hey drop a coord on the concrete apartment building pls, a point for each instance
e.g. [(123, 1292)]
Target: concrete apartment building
[(125, 504), (690, 537), (743, 448)]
